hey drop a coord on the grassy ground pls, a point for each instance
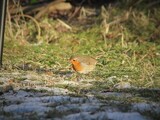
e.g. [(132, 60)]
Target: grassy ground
[(127, 52)]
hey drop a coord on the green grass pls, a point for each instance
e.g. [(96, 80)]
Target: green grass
[(135, 55)]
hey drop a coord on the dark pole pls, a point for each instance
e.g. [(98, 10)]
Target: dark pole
[(3, 5)]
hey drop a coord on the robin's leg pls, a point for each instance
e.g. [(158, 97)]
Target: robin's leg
[(80, 77), (77, 77), (89, 75), (73, 77)]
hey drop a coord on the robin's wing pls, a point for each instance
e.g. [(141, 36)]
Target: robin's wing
[(87, 60), (91, 61)]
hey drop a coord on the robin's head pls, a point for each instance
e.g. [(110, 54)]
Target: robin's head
[(76, 64), (74, 60)]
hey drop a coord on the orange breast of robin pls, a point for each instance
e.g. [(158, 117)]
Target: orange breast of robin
[(76, 65)]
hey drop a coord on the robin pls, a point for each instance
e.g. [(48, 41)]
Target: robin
[(83, 64)]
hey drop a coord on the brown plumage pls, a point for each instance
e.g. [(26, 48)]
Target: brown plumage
[(83, 64)]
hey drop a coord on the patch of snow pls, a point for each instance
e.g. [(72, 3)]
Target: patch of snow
[(105, 116), (90, 107), (143, 107), (77, 100), (125, 116), (78, 116), (27, 107), (68, 107), (16, 97)]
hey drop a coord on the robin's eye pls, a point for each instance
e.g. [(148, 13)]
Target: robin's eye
[(73, 60)]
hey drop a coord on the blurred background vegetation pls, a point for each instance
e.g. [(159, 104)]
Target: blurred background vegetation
[(123, 35)]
